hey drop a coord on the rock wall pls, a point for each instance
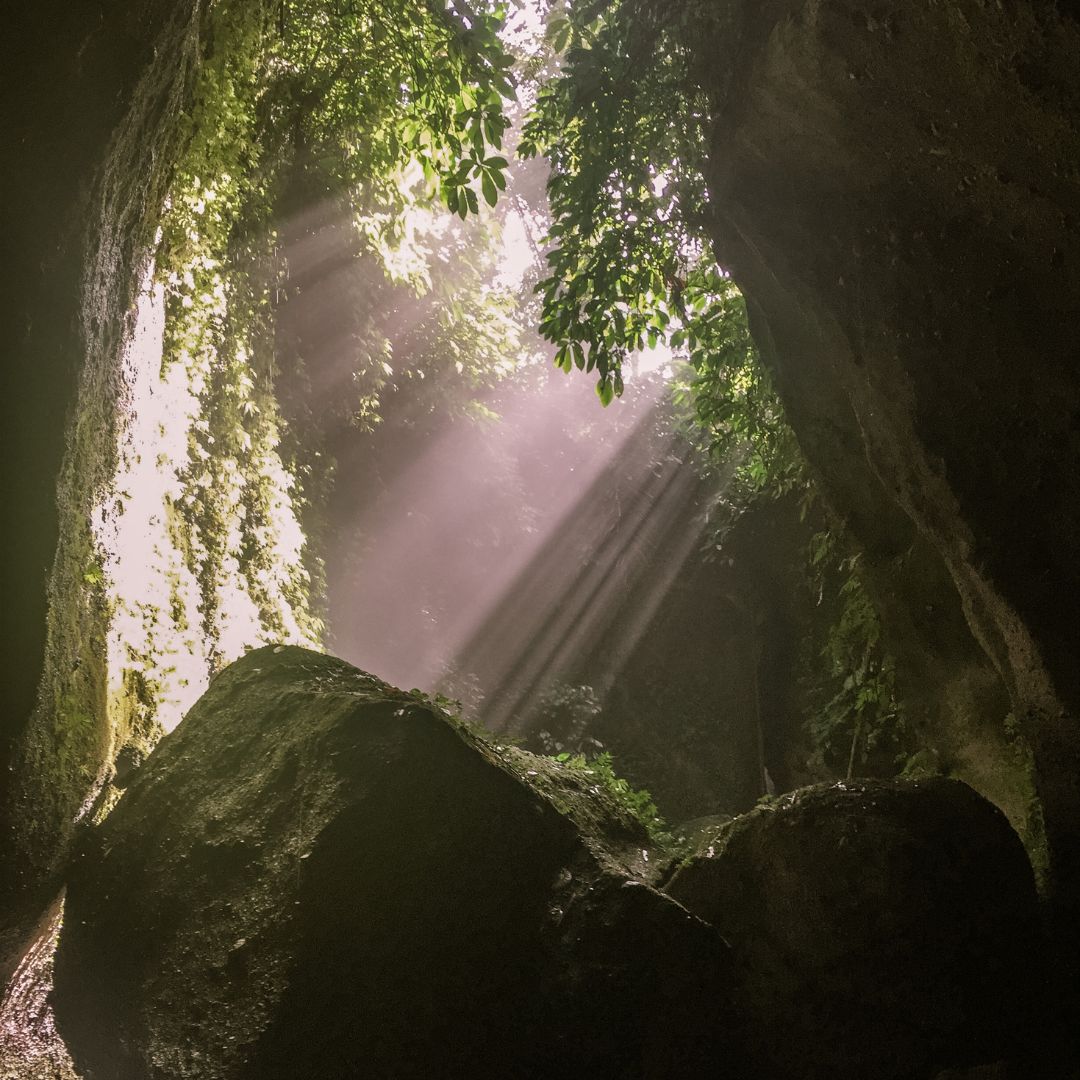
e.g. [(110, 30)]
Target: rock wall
[(92, 100), (897, 193)]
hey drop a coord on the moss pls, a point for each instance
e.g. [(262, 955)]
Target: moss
[(1030, 823), (67, 742), (592, 797), (133, 711), (64, 749)]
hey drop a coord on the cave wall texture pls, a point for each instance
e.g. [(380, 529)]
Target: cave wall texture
[(91, 96), (897, 192)]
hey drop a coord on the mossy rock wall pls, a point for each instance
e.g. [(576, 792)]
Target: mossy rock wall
[(93, 116), (898, 195)]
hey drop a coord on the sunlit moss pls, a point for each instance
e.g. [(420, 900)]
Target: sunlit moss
[(205, 550)]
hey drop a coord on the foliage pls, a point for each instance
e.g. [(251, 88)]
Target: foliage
[(624, 144), (624, 127), (599, 772), (365, 88), (373, 107), (353, 93), (855, 714), (460, 340), (630, 261), (370, 111), (569, 713)]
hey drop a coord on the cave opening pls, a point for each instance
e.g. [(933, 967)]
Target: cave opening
[(666, 415)]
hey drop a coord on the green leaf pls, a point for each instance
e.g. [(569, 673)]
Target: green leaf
[(555, 27), (559, 31), (505, 88)]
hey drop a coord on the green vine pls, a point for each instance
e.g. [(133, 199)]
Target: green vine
[(856, 716), (380, 110)]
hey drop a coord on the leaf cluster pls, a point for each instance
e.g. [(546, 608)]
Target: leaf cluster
[(624, 144), (350, 93), (599, 773), (362, 88), (630, 261), (855, 712)]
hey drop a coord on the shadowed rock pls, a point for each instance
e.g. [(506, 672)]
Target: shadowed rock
[(882, 929), (318, 875), (894, 188)]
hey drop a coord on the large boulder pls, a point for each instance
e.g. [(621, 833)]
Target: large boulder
[(316, 875), (881, 929)]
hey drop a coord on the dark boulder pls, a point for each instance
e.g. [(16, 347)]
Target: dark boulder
[(881, 929), (318, 875)]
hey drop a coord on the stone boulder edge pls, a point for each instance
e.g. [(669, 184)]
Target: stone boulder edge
[(885, 929), (316, 874)]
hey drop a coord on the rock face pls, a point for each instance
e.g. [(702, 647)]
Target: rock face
[(91, 113), (897, 192), (881, 929), (66, 95), (317, 875)]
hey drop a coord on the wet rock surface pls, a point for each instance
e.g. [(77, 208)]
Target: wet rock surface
[(896, 192), (318, 875), (880, 929)]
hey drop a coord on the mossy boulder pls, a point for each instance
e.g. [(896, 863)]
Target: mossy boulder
[(881, 929), (318, 875)]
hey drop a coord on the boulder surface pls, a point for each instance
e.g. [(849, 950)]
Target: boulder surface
[(318, 875), (881, 929)]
